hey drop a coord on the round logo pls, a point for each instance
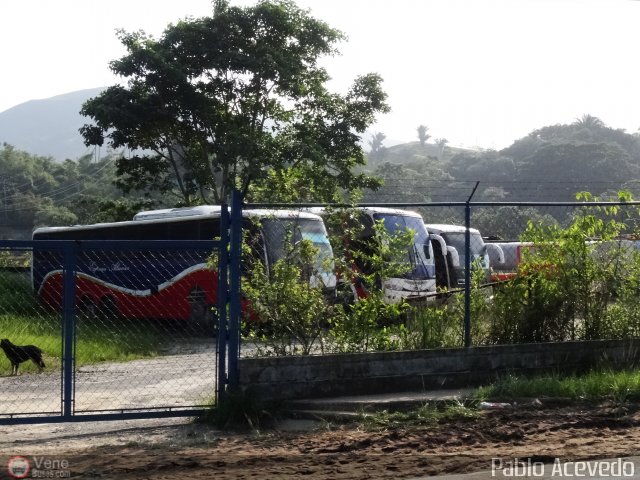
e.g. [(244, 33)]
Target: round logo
[(18, 467)]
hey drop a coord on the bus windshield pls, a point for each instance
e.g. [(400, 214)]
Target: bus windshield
[(476, 245), (420, 255), (278, 230)]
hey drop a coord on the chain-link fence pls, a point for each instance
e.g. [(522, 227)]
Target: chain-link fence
[(467, 274), (103, 329), (128, 327)]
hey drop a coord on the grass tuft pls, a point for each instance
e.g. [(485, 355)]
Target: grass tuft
[(424, 416), (594, 386), (26, 322)]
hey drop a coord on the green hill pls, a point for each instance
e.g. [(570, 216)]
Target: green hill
[(48, 127)]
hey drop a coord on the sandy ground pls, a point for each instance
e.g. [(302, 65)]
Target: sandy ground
[(183, 377), (167, 449)]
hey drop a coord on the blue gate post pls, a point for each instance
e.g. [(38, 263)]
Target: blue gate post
[(68, 328), (223, 300), (235, 256)]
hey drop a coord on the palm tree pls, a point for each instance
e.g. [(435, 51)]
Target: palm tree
[(589, 121), (441, 143), (377, 149), (422, 135)]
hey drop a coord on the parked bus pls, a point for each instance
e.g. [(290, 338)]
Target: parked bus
[(506, 267), (454, 238), (418, 284), (175, 284)]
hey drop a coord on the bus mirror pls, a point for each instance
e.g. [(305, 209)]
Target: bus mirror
[(455, 258), (440, 241), (496, 254)]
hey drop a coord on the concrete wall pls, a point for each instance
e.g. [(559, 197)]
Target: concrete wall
[(385, 372)]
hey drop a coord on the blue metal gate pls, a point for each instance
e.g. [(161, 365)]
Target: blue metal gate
[(128, 329)]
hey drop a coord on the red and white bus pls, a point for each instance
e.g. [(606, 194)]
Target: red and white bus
[(172, 283)]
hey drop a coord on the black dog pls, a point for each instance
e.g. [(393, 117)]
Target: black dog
[(18, 354)]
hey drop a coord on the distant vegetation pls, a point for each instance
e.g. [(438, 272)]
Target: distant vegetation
[(197, 121), (37, 191), (550, 164)]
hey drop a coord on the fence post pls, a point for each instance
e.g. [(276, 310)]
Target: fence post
[(68, 328), (467, 268), (235, 256), (223, 301)]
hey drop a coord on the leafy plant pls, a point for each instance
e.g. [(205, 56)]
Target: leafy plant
[(218, 102), (432, 327), (368, 324), (428, 414), (286, 313), (595, 385), (570, 281)]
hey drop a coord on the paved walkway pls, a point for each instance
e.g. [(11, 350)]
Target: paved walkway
[(380, 401)]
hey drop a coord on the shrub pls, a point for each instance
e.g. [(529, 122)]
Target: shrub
[(287, 313), (570, 285)]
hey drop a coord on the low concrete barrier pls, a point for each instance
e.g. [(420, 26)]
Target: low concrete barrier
[(385, 372)]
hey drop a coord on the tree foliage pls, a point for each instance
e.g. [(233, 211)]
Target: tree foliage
[(225, 101), (282, 299), (37, 191), (551, 163)]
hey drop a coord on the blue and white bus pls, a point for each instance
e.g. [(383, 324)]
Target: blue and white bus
[(418, 284)]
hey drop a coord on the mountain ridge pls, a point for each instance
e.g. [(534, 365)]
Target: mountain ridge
[(48, 127)]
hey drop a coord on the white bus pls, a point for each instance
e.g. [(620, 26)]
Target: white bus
[(454, 239), (418, 284)]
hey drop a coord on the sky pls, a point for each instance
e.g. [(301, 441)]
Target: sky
[(480, 73)]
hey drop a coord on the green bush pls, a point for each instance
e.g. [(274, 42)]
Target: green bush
[(286, 313), (371, 322), (16, 294), (431, 327), (577, 283)]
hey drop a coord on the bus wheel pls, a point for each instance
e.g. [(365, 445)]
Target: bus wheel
[(201, 315)]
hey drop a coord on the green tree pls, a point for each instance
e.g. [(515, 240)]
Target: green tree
[(371, 261), (508, 222), (286, 312), (220, 102), (37, 191), (568, 285), (412, 182)]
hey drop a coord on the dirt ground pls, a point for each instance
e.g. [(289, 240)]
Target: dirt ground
[(178, 449)]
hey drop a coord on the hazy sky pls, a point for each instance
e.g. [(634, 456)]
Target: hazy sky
[(477, 72)]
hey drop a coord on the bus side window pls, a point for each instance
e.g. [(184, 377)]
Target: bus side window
[(184, 230), (155, 231), (209, 229)]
